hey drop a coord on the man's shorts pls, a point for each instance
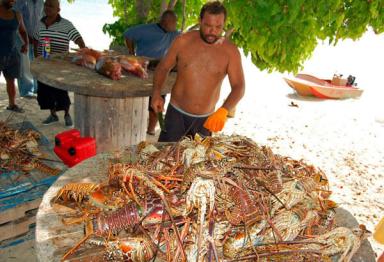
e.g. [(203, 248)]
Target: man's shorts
[(10, 65), (179, 125)]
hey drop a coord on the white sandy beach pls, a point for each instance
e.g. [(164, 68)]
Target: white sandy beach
[(343, 138)]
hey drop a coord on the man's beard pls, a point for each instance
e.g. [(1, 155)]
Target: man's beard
[(204, 37)]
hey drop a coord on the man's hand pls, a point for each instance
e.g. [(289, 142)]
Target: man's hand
[(30, 39), (216, 121), (24, 48), (157, 104)]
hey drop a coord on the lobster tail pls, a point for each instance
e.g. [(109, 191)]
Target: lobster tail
[(122, 219)]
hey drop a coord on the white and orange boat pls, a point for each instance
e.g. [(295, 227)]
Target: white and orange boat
[(337, 88)]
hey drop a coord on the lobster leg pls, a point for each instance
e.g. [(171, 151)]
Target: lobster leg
[(212, 244), (167, 243), (184, 233), (72, 250), (71, 221), (160, 185), (200, 237), (134, 197)]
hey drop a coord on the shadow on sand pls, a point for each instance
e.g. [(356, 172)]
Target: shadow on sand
[(297, 97), (365, 253)]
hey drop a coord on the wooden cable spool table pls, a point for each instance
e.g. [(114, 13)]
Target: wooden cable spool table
[(114, 112)]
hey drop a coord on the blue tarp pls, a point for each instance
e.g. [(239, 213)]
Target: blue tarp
[(16, 187)]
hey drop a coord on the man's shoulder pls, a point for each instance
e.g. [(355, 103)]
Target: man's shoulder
[(230, 46), (182, 40), (187, 37), (65, 21), (142, 27)]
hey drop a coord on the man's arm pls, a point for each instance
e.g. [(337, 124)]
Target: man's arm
[(131, 36), (130, 45), (216, 121), (161, 74), (23, 33), (80, 42), (75, 36), (35, 47), (236, 79)]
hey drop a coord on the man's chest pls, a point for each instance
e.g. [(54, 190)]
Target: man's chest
[(210, 60)]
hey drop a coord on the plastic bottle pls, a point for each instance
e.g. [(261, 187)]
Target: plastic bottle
[(378, 235), (46, 47)]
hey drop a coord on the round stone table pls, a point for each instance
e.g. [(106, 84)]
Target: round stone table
[(114, 112), (53, 239)]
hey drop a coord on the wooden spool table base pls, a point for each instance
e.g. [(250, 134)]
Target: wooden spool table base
[(114, 112)]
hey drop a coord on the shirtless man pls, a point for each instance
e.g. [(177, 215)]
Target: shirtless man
[(203, 58)]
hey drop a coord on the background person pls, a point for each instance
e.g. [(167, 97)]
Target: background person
[(60, 32), (31, 11), (152, 40)]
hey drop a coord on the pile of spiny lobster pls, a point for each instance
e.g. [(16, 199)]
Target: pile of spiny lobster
[(221, 198), (19, 151)]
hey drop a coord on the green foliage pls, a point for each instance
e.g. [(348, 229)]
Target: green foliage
[(279, 35), (128, 16)]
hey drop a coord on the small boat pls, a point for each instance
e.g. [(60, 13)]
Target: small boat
[(337, 88)]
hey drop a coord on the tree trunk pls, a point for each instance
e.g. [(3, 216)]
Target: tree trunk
[(142, 7), (125, 11), (183, 22), (172, 4), (163, 6)]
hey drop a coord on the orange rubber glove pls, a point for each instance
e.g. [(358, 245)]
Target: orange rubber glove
[(216, 121)]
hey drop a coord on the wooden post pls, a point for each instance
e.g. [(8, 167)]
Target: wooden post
[(115, 123)]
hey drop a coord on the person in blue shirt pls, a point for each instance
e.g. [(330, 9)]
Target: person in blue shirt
[(152, 40), (31, 11)]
